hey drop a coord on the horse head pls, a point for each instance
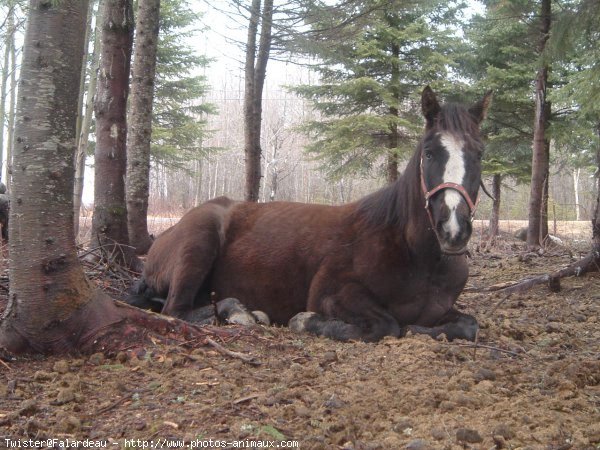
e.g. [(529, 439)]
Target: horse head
[(450, 168)]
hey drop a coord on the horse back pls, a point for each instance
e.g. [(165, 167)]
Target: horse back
[(272, 252)]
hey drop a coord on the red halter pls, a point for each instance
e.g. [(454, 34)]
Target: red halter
[(448, 185)]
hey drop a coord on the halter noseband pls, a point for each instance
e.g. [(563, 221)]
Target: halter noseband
[(447, 185)]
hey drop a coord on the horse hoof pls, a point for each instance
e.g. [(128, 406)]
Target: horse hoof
[(300, 321), (234, 312), (261, 318), (229, 306), (241, 318)]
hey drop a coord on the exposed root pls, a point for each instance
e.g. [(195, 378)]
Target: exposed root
[(138, 328)]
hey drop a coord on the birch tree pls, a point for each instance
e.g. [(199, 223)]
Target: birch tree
[(140, 124)]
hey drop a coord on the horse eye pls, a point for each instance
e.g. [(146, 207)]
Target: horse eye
[(428, 155)]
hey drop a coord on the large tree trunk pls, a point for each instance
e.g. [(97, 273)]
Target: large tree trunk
[(109, 224), (140, 125), (52, 308), (48, 290), (255, 73), (86, 122), (537, 231)]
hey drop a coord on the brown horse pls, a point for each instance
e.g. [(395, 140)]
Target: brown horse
[(392, 261)]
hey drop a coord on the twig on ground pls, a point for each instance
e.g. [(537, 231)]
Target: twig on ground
[(4, 364), (489, 347), (225, 351)]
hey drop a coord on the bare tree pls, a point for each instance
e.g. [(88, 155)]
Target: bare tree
[(140, 124), (86, 121), (9, 43), (255, 73)]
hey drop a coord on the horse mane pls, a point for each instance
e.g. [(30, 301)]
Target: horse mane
[(393, 204)]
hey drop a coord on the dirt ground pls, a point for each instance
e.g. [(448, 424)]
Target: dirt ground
[(531, 382)]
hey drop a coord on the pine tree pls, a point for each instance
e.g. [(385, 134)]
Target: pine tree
[(179, 124), (499, 58), (372, 63)]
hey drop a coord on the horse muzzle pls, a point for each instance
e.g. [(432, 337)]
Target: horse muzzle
[(453, 230)]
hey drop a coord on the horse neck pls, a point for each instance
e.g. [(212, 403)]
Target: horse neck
[(398, 206)]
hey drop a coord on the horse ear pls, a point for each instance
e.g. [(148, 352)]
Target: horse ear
[(479, 109), (429, 106)]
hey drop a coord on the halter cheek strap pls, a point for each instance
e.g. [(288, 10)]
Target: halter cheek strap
[(448, 185)]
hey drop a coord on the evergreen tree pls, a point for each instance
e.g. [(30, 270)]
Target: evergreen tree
[(373, 57), (178, 126), (575, 41), (499, 58)]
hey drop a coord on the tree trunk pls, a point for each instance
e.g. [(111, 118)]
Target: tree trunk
[(10, 135), (540, 158), (49, 294), (576, 174), (86, 122), (8, 41), (52, 308), (495, 218), (255, 73), (109, 223), (596, 216), (140, 125), (392, 157)]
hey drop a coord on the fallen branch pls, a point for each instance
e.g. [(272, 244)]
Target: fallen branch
[(224, 351), (489, 347), (578, 268)]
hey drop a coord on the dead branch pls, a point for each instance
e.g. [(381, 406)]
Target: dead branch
[(224, 351), (578, 268)]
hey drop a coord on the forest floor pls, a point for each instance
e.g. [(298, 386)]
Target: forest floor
[(531, 382)]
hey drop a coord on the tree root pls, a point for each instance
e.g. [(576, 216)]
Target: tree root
[(108, 326), (137, 327)]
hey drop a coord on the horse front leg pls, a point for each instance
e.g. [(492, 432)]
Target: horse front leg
[(454, 324), (351, 314)]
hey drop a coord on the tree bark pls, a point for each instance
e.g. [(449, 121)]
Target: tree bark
[(495, 218), (596, 216), (11, 108), (52, 307), (255, 73), (47, 284), (140, 125), (109, 223), (576, 174), (537, 231), (86, 122), (8, 42), (394, 137)]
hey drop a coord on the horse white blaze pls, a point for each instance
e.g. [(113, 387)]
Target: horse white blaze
[(454, 172)]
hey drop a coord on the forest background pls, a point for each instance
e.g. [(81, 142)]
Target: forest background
[(325, 129)]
